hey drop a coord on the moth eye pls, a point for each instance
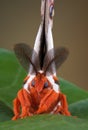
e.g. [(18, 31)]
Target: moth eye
[(45, 84), (33, 83), (51, 11)]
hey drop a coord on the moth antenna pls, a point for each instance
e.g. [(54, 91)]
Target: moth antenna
[(46, 69), (31, 62)]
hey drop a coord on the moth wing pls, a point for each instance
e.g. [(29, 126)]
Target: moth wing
[(36, 64), (23, 52), (61, 55), (53, 63), (48, 67), (27, 57)]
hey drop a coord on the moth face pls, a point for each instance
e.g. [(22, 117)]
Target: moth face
[(40, 83)]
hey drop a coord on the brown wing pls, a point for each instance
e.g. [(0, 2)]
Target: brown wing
[(60, 56), (23, 52), (49, 65)]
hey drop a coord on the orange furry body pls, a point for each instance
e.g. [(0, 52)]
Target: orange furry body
[(38, 100)]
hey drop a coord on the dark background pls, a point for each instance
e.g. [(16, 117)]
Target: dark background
[(19, 22)]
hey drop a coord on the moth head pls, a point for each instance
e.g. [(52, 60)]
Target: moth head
[(40, 83)]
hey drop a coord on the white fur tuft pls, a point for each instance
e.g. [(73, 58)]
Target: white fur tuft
[(37, 40), (28, 82), (55, 86)]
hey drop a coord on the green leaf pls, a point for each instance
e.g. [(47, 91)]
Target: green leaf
[(47, 122), (11, 76), (80, 109), (11, 80), (5, 112), (73, 92)]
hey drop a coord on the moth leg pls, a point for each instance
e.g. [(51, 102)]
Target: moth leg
[(54, 103), (16, 109), (23, 100), (48, 102), (62, 106)]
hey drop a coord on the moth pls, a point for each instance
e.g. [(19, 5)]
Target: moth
[(41, 88)]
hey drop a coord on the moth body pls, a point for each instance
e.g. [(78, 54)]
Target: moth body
[(41, 89)]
